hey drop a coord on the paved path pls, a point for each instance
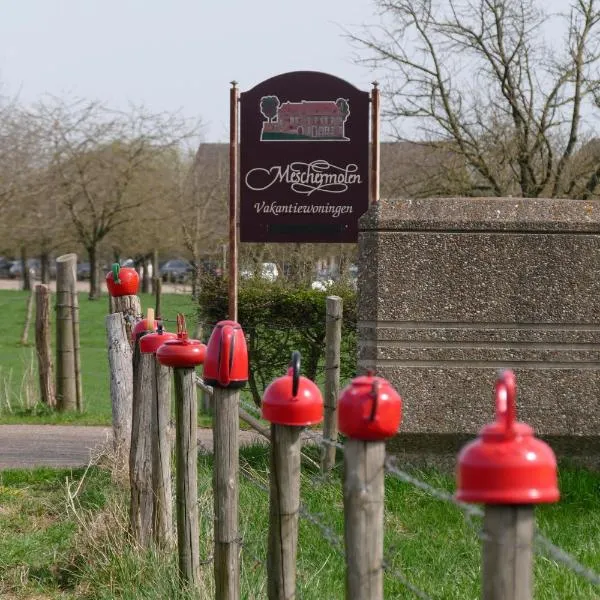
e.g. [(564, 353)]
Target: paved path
[(27, 446)]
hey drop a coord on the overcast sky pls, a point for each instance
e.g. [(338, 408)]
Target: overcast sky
[(172, 54), (175, 54)]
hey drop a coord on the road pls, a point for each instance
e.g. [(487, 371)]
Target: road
[(27, 446)]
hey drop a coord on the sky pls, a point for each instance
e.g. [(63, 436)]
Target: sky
[(176, 55), (173, 55)]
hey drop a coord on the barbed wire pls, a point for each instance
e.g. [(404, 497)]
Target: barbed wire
[(562, 556), (470, 511), (391, 467), (337, 542)]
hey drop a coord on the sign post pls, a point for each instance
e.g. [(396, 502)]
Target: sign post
[(233, 207)]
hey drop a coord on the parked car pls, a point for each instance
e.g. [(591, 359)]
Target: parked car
[(322, 284), (33, 264), (5, 265), (176, 270), (83, 270), (268, 271)]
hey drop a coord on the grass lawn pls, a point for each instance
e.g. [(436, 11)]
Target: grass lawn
[(50, 551), (18, 368)]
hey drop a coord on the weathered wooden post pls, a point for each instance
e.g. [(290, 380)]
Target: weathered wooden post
[(369, 411), (66, 361), (509, 471), (290, 403), (162, 495), (121, 382), (28, 315), (76, 340), (333, 340), (42, 344), (140, 455), (123, 284), (124, 306), (184, 354), (226, 369)]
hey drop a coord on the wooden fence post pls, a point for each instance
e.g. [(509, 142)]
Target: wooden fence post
[(76, 339), (333, 340), (28, 314), (121, 381), (363, 518), (129, 306), (205, 398), (140, 456), (186, 445), (66, 363), (507, 469), (42, 344), (507, 552), (284, 506), (161, 456), (225, 402)]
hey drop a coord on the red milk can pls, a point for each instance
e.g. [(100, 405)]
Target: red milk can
[(181, 352), (506, 464), (142, 328), (369, 409), (122, 281), (293, 399), (226, 363), (150, 343)]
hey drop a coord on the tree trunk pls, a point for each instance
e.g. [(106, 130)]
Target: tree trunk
[(25, 269), (195, 278), (91, 250), (155, 273), (145, 276), (45, 264)]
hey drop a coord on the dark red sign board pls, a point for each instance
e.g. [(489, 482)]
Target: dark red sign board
[(304, 159)]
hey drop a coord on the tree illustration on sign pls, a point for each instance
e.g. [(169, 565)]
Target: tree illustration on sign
[(344, 107), (269, 106)]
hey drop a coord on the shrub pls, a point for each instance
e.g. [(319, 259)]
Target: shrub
[(278, 318)]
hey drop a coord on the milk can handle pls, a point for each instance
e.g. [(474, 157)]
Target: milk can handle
[(375, 396), (295, 364), (506, 392)]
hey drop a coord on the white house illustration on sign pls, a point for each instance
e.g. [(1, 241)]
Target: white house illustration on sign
[(305, 121)]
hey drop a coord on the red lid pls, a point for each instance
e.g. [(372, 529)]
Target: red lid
[(151, 342)]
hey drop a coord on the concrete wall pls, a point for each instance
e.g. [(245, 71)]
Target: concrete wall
[(453, 289)]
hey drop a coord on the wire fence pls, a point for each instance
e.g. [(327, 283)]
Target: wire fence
[(334, 538), (472, 514)]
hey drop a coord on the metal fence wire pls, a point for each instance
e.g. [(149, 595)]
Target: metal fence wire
[(472, 514)]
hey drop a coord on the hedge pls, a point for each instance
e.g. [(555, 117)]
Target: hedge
[(278, 318)]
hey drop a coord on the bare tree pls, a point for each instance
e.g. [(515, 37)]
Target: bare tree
[(31, 221), (479, 78), (202, 202), (100, 156)]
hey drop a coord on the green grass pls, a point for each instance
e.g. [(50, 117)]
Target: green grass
[(18, 368), (46, 550)]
